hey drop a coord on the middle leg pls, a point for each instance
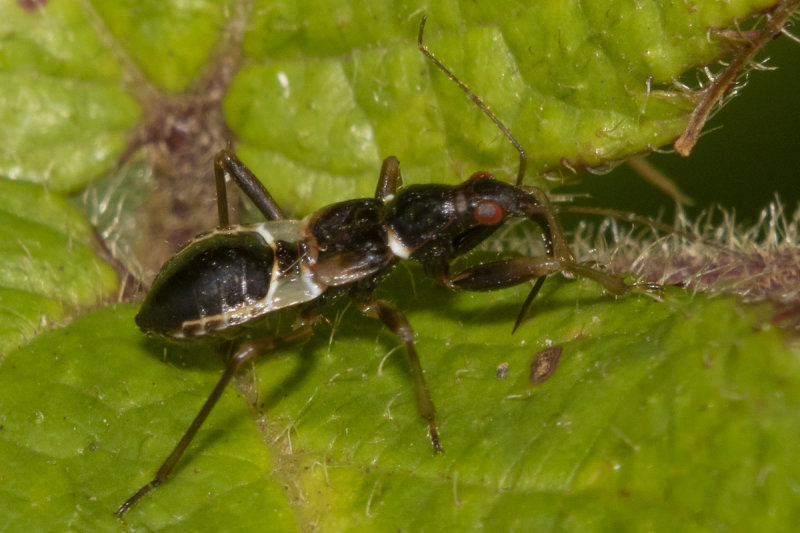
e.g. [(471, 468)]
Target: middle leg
[(394, 319), (389, 180)]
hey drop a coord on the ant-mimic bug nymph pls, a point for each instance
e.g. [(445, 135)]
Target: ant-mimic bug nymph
[(234, 275)]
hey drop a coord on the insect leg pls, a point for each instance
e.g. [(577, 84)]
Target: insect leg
[(396, 320), (246, 352), (526, 305), (227, 164), (389, 180), (510, 272), (555, 245), (545, 215)]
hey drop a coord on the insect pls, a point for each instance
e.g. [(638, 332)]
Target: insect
[(232, 276)]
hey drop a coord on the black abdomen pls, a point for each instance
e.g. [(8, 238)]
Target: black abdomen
[(214, 275)]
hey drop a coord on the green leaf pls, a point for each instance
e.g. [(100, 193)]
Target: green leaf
[(661, 415), (49, 266), (581, 84), (63, 112), (77, 439), (578, 84), (155, 35)]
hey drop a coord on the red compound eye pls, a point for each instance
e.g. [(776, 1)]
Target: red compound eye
[(482, 174), (488, 213)]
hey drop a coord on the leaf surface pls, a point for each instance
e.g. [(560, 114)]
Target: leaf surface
[(661, 415)]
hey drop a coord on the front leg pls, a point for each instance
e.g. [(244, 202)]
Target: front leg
[(510, 272)]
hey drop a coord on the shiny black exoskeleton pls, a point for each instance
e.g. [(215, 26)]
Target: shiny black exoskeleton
[(206, 278), (235, 275)]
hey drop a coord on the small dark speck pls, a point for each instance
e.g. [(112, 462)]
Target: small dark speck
[(502, 370), (544, 364), (31, 5)]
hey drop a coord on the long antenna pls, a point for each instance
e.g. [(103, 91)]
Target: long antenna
[(523, 157)]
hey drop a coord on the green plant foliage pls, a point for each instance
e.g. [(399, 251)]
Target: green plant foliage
[(329, 91), (169, 41), (662, 415), (578, 85), (49, 266), (63, 112), (82, 128), (103, 406)]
